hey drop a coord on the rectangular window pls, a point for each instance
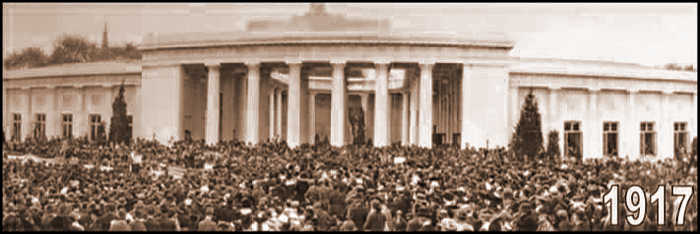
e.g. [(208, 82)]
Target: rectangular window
[(67, 125), (16, 127), (680, 138), (94, 126), (40, 126), (647, 139), (573, 137), (610, 138)]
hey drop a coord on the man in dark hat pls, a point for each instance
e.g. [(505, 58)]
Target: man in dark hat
[(208, 225), (152, 223), (358, 213), (526, 220), (171, 223)]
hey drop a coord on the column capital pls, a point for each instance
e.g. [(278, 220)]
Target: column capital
[(633, 91), (667, 92), (339, 61), (252, 62), (594, 90), (428, 63), (212, 64), (554, 87), (290, 62), (385, 61)]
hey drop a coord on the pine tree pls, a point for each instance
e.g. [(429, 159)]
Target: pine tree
[(118, 123), (553, 151), (528, 132)]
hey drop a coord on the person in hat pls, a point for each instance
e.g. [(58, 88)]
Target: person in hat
[(119, 223), (152, 224), (207, 225), (348, 226), (358, 213), (419, 220), (139, 221), (337, 201), (400, 222), (172, 222), (376, 221), (526, 219)]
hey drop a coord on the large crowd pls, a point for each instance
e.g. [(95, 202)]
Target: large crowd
[(271, 187)]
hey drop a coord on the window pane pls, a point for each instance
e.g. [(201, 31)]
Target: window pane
[(614, 126), (682, 126), (650, 127), (575, 126), (567, 126), (606, 126), (649, 143)]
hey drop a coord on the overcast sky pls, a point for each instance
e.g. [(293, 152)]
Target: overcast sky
[(650, 34)]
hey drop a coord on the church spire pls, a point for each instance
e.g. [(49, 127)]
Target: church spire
[(105, 39)]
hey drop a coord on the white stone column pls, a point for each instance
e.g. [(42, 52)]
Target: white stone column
[(466, 108), (593, 148), (80, 119), (338, 103), (381, 106), (271, 94), (278, 125), (413, 138), (666, 149), (28, 120), (294, 104), (632, 127), (404, 119), (426, 104), (212, 111), (312, 116), (5, 115), (554, 120), (253, 104), (53, 118)]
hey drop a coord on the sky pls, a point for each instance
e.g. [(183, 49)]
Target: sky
[(645, 33)]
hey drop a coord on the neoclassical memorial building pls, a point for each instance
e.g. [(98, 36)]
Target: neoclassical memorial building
[(301, 77)]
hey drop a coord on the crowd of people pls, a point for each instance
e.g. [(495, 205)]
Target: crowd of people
[(270, 187)]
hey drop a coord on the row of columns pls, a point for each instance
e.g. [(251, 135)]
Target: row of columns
[(420, 96)]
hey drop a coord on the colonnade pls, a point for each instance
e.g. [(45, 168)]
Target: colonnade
[(416, 118)]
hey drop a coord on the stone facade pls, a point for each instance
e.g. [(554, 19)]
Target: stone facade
[(415, 89)]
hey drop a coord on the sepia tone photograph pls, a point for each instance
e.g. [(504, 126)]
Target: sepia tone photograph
[(338, 117)]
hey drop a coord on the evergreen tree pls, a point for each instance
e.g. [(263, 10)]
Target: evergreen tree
[(528, 132), (695, 146), (553, 151), (118, 124)]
